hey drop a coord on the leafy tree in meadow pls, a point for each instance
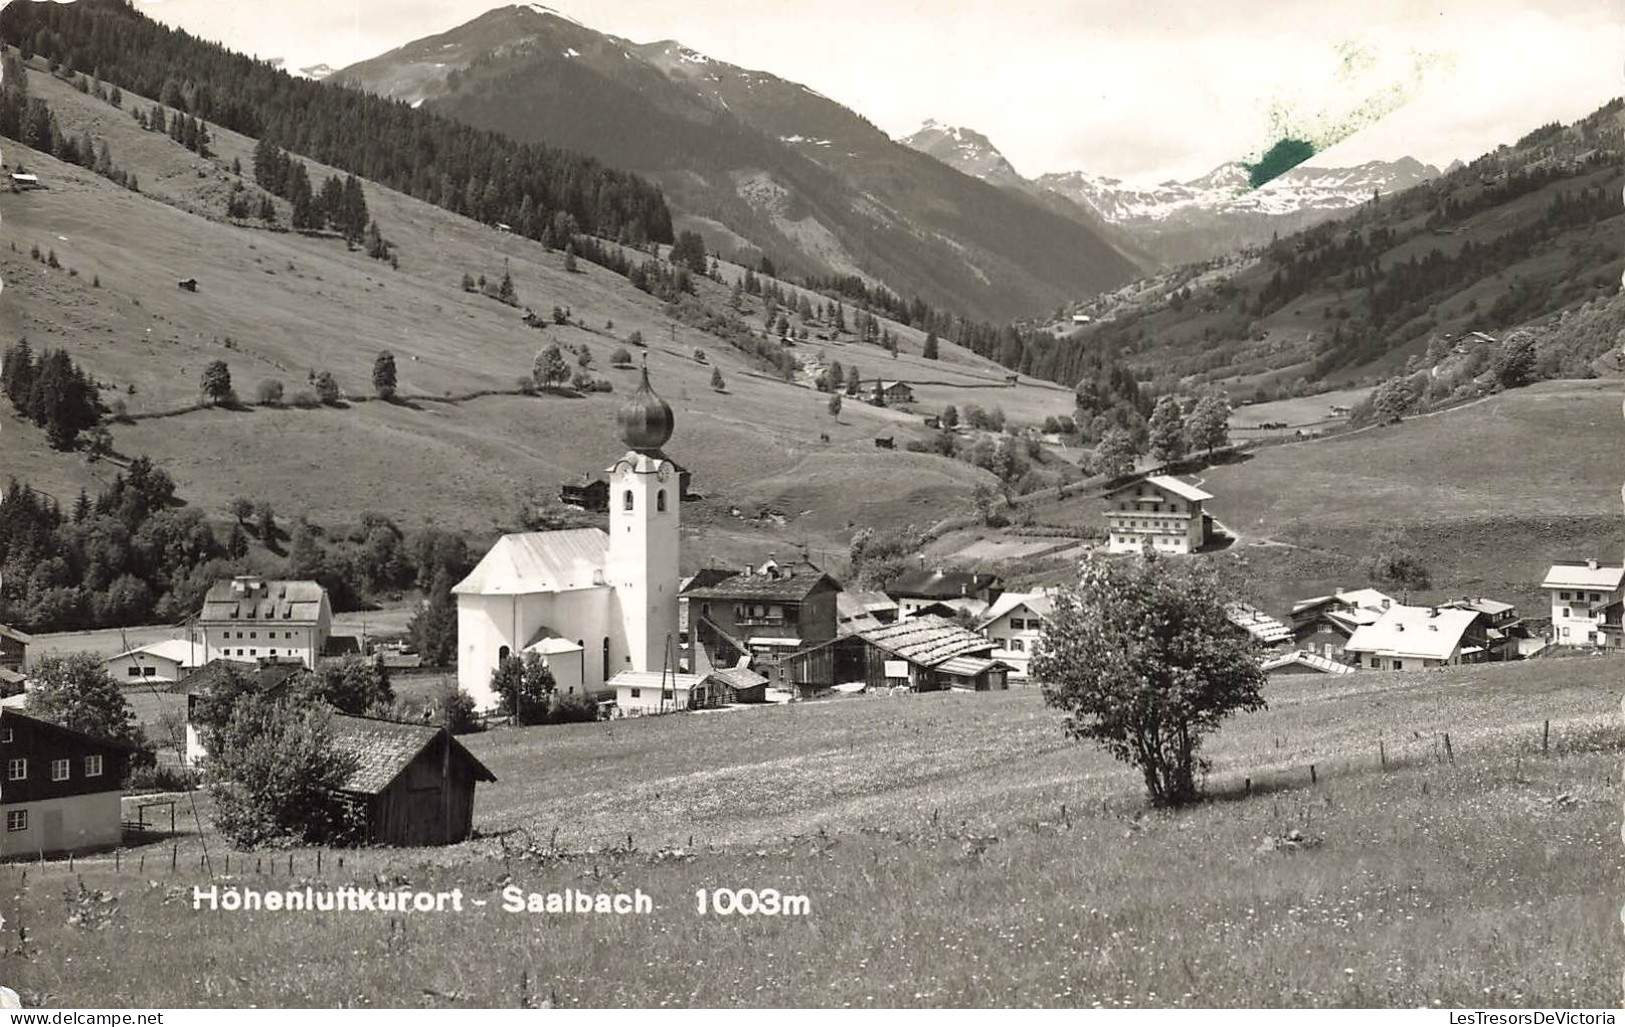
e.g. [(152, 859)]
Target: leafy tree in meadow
[(1116, 453), (1167, 430), (75, 691), (835, 405), (549, 369), (433, 628), (216, 382), (525, 688), (950, 416), (383, 374), (327, 387), (1143, 660), (265, 517), (1514, 364), (716, 380), (242, 508), (1395, 563), (929, 351), (275, 774), (1208, 426)]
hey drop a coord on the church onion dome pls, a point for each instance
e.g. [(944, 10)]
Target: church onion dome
[(646, 420)]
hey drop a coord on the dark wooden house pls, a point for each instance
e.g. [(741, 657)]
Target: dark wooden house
[(764, 613), (918, 589), (60, 789), (413, 783), (13, 654), (922, 654)]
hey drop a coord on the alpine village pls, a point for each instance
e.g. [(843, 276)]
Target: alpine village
[(407, 481)]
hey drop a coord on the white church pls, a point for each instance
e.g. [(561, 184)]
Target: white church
[(592, 605)]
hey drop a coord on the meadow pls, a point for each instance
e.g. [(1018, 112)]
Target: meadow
[(954, 849)]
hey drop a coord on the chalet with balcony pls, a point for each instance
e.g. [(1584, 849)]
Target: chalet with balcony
[(1160, 513), (1323, 625), (1418, 638), (1014, 623), (764, 613)]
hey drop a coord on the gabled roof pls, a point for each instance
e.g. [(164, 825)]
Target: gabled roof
[(1419, 632), (540, 561), (12, 717), (1166, 483), (178, 650), (740, 678), (1493, 607), (927, 640), (290, 602), (1041, 603), (939, 584), (15, 635), (1257, 623), (852, 603), (547, 642), (969, 666), (1583, 574), (383, 749), (1356, 599), (793, 584), (1314, 661), (266, 677), (677, 682)]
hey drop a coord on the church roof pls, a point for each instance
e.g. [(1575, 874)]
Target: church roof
[(540, 561)]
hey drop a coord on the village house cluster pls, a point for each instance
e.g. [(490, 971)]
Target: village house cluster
[(612, 617)]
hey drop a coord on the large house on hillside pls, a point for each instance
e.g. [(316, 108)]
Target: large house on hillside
[(1159, 512), (1581, 594), (1418, 637), (61, 788), (250, 618)]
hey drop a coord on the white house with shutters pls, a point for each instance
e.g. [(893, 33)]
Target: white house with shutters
[(1581, 592), (1014, 623)]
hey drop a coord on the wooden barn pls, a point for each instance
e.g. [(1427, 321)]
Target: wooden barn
[(922, 654), (414, 782)]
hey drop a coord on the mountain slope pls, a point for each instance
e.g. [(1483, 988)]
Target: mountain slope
[(758, 164), (1521, 234), (1184, 222)]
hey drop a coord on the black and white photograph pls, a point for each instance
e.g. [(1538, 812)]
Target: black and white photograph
[(812, 504)]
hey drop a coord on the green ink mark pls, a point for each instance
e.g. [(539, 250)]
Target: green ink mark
[(1278, 160)]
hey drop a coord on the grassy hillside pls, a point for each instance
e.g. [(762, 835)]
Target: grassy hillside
[(954, 850), (276, 305)]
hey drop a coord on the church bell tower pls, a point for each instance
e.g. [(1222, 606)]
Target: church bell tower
[(644, 496)]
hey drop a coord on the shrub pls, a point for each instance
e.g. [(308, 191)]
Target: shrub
[(327, 388), (621, 357), (305, 399), (269, 392)]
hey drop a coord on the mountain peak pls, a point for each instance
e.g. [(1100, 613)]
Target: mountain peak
[(963, 149)]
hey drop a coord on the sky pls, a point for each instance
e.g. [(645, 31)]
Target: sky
[(1145, 90)]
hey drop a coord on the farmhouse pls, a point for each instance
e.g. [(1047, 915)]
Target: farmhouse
[(413, 784), (1325, 624), (613, 595), (1416, 637), (895, 392), (918, 589), (641, 693), (763, 613), (922, 654), (1159, 512), (1581, 592), (1505, 633), (1014, 623), (167, 661), (22, 181), (250, 618), (61, 788)]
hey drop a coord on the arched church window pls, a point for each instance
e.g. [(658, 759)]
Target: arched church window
[(660, 501), (502, 654), (626, 500)]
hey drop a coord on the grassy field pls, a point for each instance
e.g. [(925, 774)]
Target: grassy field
[(276, 305), (954, 849)]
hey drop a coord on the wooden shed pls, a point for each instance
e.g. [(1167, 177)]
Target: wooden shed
[(921, 653), (414, 782)]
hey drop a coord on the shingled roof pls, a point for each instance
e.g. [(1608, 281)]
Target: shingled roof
[(383, 749), (792, 584), (937, 584), (926, 640), (267, 676)]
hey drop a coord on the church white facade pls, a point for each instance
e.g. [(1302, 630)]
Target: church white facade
[(591, 603)]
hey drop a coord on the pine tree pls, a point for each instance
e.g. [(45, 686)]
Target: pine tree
[(383, 374), (929, 350), (716, 380)]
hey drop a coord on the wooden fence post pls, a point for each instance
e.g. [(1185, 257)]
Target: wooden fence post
[(1449, 753), (1545, 738), (1312, 778), (1382, 753), (174, 857)]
